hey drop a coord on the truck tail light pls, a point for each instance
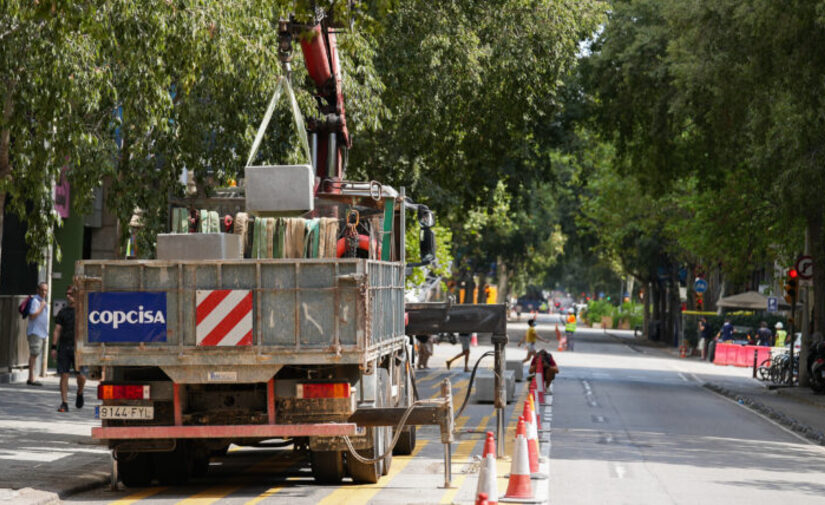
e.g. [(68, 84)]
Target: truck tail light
[(328, 390), (131, 392)]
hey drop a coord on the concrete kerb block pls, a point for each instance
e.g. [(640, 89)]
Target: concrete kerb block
[(517, 367), (485, 386), (28, 496)]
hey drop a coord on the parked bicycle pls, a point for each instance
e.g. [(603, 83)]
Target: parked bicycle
[(778, 370)]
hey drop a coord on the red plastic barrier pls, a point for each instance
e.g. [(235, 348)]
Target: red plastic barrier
[(739, 355), (722, 352)]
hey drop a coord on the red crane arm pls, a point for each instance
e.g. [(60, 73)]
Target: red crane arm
[(329, 134)]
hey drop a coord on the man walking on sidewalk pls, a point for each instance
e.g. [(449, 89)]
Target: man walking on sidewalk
[(37, 329), (63, 345)]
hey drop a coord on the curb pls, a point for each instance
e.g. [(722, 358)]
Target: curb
[(33, 496), (93, 483), (813, 435)]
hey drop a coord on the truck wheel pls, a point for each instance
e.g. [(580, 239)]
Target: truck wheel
[(406, 442), (174, 468), (327, 466), (363, 473), (134, 469)]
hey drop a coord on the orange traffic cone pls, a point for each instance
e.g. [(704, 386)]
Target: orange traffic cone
[(481, 499), (558, 333), (532, 437), (518, 486), (536, 419), (487, 476), (474, 340), (534, 400)]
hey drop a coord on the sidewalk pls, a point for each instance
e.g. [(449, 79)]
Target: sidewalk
[(796, 408), (47, 455)]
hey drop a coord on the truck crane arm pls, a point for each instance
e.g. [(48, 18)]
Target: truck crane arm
[(328, 134)]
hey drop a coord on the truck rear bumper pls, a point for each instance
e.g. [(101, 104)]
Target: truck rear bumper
[(229, 431)]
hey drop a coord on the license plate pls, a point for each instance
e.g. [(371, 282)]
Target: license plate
[(124, 412)]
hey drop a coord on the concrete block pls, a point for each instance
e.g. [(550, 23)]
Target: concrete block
[(485, 386), (199, 246), (279, 190), (517, 367)]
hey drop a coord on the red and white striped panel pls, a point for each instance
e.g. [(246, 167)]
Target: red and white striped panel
[(223, 317)]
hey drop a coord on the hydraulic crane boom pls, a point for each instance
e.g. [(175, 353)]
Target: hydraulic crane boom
[(328, 135)]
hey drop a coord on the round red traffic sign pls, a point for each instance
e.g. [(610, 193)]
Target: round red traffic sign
[(805, 267)]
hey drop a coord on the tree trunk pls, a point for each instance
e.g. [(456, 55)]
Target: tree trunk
[(656, 323), (5, 163), (714, 292), (503, 293), (691, 295), (675, 308), (646, 320), (817, 248)]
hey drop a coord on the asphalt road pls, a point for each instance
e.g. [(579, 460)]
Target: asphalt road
[(630, 425), (637, 428)]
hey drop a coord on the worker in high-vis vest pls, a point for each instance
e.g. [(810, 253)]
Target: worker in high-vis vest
[(570, 328)]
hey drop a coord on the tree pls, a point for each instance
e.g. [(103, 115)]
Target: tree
[(470, 88), (51, 90), (113, 89)]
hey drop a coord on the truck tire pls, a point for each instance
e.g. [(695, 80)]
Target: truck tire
[(175, 467), (366, 473), (327, 466), (406, 442), (135, 469)]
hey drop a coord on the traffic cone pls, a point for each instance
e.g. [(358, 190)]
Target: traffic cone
[(481, 499), (562, 340), (487, 486), (474, 340), (532, 437), (518, 486), (534, 398), (536, 417)]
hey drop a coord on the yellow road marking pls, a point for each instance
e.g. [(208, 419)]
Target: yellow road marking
[(266, 494), (144, 493), (209, 496), (360, 494), (461, 455)]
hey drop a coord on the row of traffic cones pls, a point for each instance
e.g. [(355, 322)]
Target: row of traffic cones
[(525, 463)]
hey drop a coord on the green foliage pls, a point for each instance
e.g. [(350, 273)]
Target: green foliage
[(134, 93), (597, 309), (443, 253), (631, 312), (470, 90)]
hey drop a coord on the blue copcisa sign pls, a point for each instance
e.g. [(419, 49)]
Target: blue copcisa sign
[(127, 317)]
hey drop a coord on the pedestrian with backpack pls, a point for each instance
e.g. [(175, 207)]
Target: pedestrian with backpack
[(63, 345), (37, 329)]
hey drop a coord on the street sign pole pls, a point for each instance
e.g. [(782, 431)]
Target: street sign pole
[(793, 338)]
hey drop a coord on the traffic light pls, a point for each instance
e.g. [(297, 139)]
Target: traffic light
[(791, 286)]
